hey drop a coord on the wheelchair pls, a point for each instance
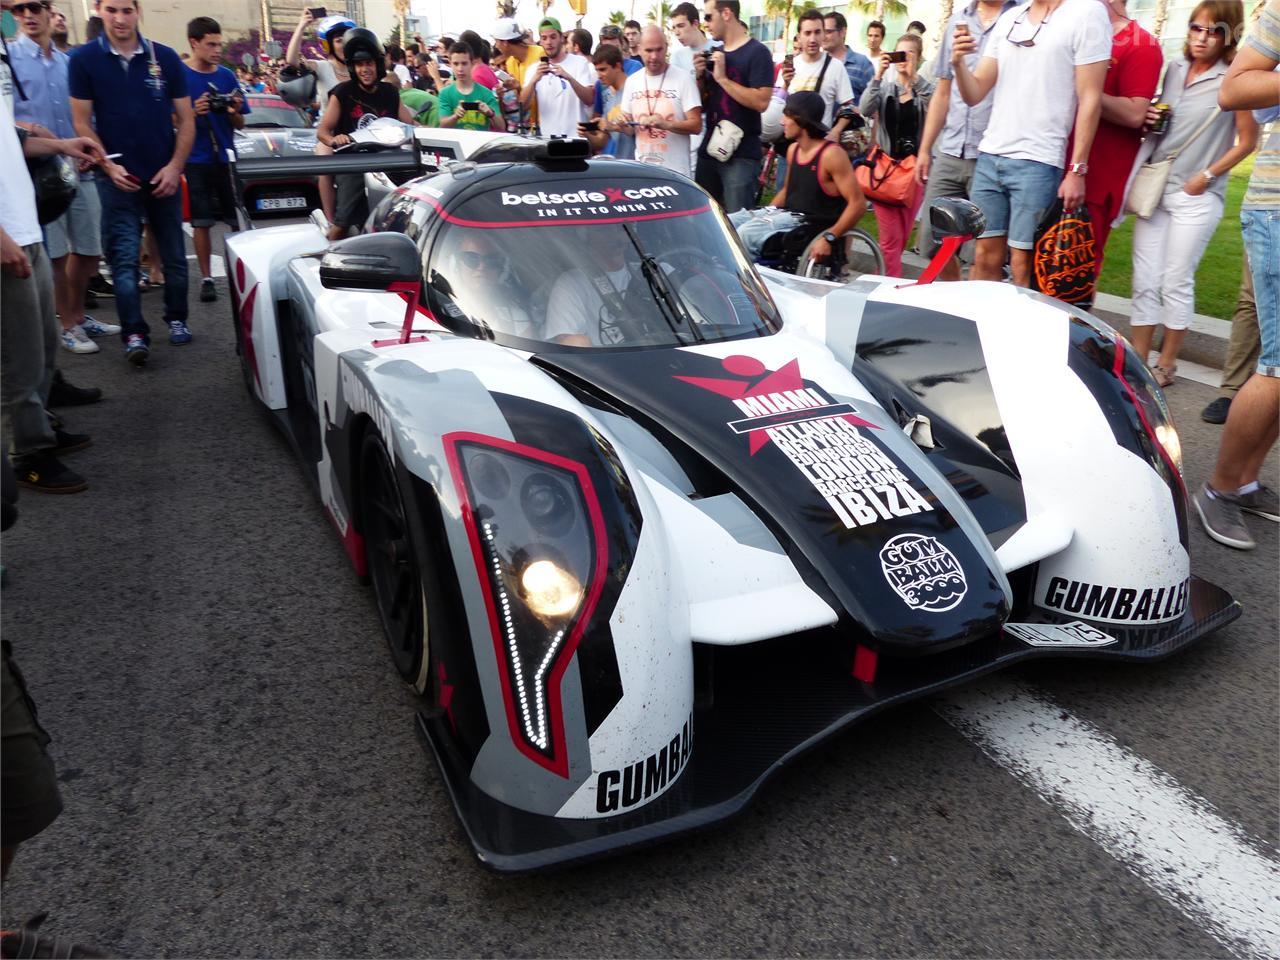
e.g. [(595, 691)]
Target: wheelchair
[(789, 244)]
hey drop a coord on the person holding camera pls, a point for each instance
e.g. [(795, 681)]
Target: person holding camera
[(899, 103), (219, 108), (562, 86), (464, 103)]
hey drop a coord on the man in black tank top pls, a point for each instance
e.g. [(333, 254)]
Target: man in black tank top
[(820, 184), (820, 181)]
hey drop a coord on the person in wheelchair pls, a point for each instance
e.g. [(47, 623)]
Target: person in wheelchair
[(819, 198)]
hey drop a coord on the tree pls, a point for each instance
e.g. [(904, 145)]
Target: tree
[(1158, 21), (879, 9), (660, 13), (781, 8), (618, 18)]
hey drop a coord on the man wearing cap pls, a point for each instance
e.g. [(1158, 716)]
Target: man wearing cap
[(819, 184), (520, 60), (563, 84), (611, 36)]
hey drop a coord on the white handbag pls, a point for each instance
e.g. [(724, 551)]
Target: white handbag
[(724, 140), (1147, 188)]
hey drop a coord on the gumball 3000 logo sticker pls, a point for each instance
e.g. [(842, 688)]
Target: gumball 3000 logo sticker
[(923, 572)]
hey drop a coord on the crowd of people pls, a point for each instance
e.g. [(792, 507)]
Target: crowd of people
[(1025, 104)]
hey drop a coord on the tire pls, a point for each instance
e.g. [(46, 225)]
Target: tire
[(395, 569), (861, 255)]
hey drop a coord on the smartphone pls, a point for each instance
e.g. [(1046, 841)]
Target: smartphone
[(470, 104), (898, 56), (789, 60), (317, 12), (590, 124), (962, 30), (545, 59)]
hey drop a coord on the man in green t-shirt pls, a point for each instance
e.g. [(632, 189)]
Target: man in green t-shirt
[(422, 104), (464, 103)]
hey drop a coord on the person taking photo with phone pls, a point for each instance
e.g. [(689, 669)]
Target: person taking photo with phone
[(328, 72), (563, 85), (464, 103)]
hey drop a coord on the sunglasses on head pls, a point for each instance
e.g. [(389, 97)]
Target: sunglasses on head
[(476, 261), (21, 8)]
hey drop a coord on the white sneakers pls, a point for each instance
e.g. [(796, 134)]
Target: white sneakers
[(77, 339)]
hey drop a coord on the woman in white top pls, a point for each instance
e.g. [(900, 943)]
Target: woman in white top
[(329, 72), (1168, 245)]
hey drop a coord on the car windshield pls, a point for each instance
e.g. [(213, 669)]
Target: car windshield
[(273, 115), (635, 263)]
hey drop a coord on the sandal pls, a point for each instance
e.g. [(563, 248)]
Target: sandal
[(1164, 375)]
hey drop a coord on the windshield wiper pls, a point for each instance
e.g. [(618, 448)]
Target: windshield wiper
[(673, 308)]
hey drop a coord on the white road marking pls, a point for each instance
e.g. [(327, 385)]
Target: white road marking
[(1203, 864)]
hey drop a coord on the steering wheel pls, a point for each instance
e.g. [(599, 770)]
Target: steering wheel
[(700, 281)]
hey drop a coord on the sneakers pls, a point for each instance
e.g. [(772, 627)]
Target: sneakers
[(100, 286), (70, 442), (208, 292), (63, 394), (1165, 376), (1222, 518), (178, 332), (26, 942), (96, 328), (44, 472), (136, 350), (1262, 502), (77, 341), (1216, 411)]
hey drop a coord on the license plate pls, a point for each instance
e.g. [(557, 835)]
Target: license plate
[(282, 203)]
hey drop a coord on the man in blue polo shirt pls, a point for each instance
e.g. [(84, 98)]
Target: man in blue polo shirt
[(132, 89)]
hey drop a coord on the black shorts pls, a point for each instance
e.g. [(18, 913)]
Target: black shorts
[(209, 190), (29, 798), (352, 208)]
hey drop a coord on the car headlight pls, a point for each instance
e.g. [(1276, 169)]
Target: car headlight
[(1168, 437), (538, 537)]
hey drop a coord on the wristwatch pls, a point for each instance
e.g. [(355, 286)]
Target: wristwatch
[(830, 237), (1080, 168), (1208, 176)]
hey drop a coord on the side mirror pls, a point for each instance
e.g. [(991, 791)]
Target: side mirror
[(371, 261), (956, 217)]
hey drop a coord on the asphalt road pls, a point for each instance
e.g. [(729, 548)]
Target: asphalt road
[(242, 776)]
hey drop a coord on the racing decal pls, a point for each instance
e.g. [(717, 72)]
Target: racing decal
[(360, 399), (524, 205), (821, 437), (923, 572), (618, 790), (1098, 602), (1077, 633)]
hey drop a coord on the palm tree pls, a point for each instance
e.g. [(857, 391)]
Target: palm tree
[(880, 8), (618, 18), (1161, 15), (781, 8), (660, 13)]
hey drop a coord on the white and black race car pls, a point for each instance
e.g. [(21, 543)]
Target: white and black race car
[(644, 522)]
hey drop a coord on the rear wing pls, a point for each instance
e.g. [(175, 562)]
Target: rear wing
[(406, 160)]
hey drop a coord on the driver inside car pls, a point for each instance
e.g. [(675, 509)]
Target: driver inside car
[(605, 303), (488, 282)]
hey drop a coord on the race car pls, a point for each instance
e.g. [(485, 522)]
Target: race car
[(644, 523), (274, 128)]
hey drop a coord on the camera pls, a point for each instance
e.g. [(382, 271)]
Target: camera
[(898, 56), (220, 102)]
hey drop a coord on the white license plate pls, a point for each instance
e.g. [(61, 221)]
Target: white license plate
[(282, 203)]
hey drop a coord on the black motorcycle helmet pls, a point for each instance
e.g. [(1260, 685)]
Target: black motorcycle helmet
[(361, 44)]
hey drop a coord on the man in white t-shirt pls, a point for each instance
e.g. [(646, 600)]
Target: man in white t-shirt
[(1046, 62), (815, 69), (664, 106), (564, 84), (685, 28)]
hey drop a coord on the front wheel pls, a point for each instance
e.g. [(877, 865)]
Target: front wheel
[(393, 565), (856, 253)]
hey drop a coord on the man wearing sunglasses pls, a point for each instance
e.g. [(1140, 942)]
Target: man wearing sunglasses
[(1046, 63)]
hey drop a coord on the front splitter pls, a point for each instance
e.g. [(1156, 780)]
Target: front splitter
[(768, 704)]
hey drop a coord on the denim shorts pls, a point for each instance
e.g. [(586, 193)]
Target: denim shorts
[(1261, 230), (1014, 195)]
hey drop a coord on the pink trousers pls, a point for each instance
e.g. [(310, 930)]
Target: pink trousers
[(895, 227)]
